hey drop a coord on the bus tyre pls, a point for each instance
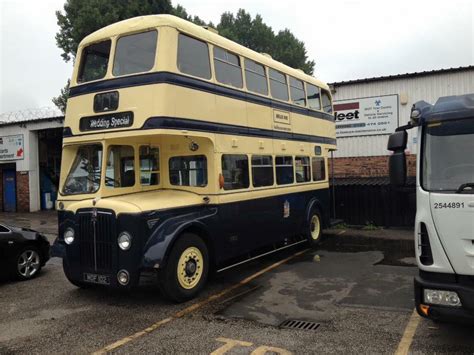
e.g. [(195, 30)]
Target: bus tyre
[(186, 270), (314, 228)]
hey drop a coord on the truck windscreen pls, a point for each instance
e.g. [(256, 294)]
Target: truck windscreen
[(448, 155)]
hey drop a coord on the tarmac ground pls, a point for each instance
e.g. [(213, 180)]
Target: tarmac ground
[(355, 292)]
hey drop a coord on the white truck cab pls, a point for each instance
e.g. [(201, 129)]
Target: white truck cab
[(444, 224)]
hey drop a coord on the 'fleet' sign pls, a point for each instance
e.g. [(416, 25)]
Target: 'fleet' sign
[(366, 116), (12, 147)]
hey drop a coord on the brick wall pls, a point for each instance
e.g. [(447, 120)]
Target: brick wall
[(22, 191), (367, 166)]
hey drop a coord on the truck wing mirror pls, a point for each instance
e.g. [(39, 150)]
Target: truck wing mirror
[(398, 141), (397, 165)]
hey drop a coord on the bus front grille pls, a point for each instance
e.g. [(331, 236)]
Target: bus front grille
[(96, 237)]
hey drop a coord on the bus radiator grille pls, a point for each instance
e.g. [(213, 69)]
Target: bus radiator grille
[(96, 254)]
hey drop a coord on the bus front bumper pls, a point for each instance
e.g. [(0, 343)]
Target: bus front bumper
[(462, 285)]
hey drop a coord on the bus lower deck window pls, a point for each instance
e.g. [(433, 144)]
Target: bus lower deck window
[(302, 168), (120, 170), (149, 165), (188, 171), (284, 170), (235, 169), (262, 170), (319, 169)]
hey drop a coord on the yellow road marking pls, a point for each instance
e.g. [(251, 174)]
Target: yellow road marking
[(229, 344), (193, 307), (407, 339)]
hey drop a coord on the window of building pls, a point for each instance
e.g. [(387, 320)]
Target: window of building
[(298, 96), (188, 170), (302, 169), (193, 57), (278, 87), (326, 99), (94, 61), (149, 165), (120, 169), (227, 67), (312, 95), (319, 169), (235, 169), (256, 77), (284, 170), (135, 53), (262, 170)]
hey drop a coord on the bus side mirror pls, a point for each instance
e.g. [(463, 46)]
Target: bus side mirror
[(397, 165)]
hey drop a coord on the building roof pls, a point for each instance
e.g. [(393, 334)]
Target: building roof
[(30, 115), (403, 76)]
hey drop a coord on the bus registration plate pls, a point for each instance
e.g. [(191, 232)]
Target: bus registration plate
[(97, 279)]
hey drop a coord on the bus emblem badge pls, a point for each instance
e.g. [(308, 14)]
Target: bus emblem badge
[(286, 209)]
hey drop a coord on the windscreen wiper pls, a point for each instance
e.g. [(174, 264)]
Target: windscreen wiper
[(468, 187)]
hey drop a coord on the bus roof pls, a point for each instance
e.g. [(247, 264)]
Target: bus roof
[(141, 23)]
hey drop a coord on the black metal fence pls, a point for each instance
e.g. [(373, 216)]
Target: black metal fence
[(373, 202)]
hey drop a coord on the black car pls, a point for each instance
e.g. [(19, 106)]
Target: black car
[(23, 252)]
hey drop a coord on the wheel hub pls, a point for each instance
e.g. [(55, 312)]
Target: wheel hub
[(190, 268)]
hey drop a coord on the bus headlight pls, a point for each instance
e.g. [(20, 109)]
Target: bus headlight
[(441, 297), (69, 236), (125, 240)]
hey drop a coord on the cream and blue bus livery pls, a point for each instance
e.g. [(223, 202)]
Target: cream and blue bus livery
[(186, 153)]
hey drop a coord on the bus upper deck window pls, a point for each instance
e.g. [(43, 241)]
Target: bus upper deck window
[(188, 170), (278, 86), (326, 99), (193, 57), (298, 96), (94, 61), (227, 67), (256, 77), (120, 170), (135, 53), (313, 97), (149, 165)]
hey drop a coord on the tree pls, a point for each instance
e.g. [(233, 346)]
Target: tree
[(256, 35), (82, 17)]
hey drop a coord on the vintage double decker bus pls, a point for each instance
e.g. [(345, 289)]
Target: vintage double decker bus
[(185, 152)]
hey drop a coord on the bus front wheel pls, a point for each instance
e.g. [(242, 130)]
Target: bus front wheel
[(187, 268), (314, 228)]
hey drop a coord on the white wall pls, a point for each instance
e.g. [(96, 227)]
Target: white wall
[(30, 162), (428, 88)]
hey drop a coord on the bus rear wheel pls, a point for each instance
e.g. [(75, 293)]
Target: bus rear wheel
[(314, 228), (185, 273)]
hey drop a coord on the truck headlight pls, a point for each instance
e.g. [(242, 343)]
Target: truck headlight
[(442, 297), (69, 236), (125, 240)]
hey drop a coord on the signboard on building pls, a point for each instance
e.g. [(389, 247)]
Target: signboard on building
[(12, 147), (366, 116)]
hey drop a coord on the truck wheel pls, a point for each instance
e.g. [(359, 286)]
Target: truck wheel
[(187, 268), (314, 228)]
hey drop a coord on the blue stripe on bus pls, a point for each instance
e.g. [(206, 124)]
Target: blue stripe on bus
[(193, 83), (205, 126)]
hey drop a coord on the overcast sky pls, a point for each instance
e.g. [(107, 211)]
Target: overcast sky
[(347, 39)]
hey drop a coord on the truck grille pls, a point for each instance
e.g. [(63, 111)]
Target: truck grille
[(96, 240)]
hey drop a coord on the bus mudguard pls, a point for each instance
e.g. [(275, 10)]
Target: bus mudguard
[(163, 237)]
